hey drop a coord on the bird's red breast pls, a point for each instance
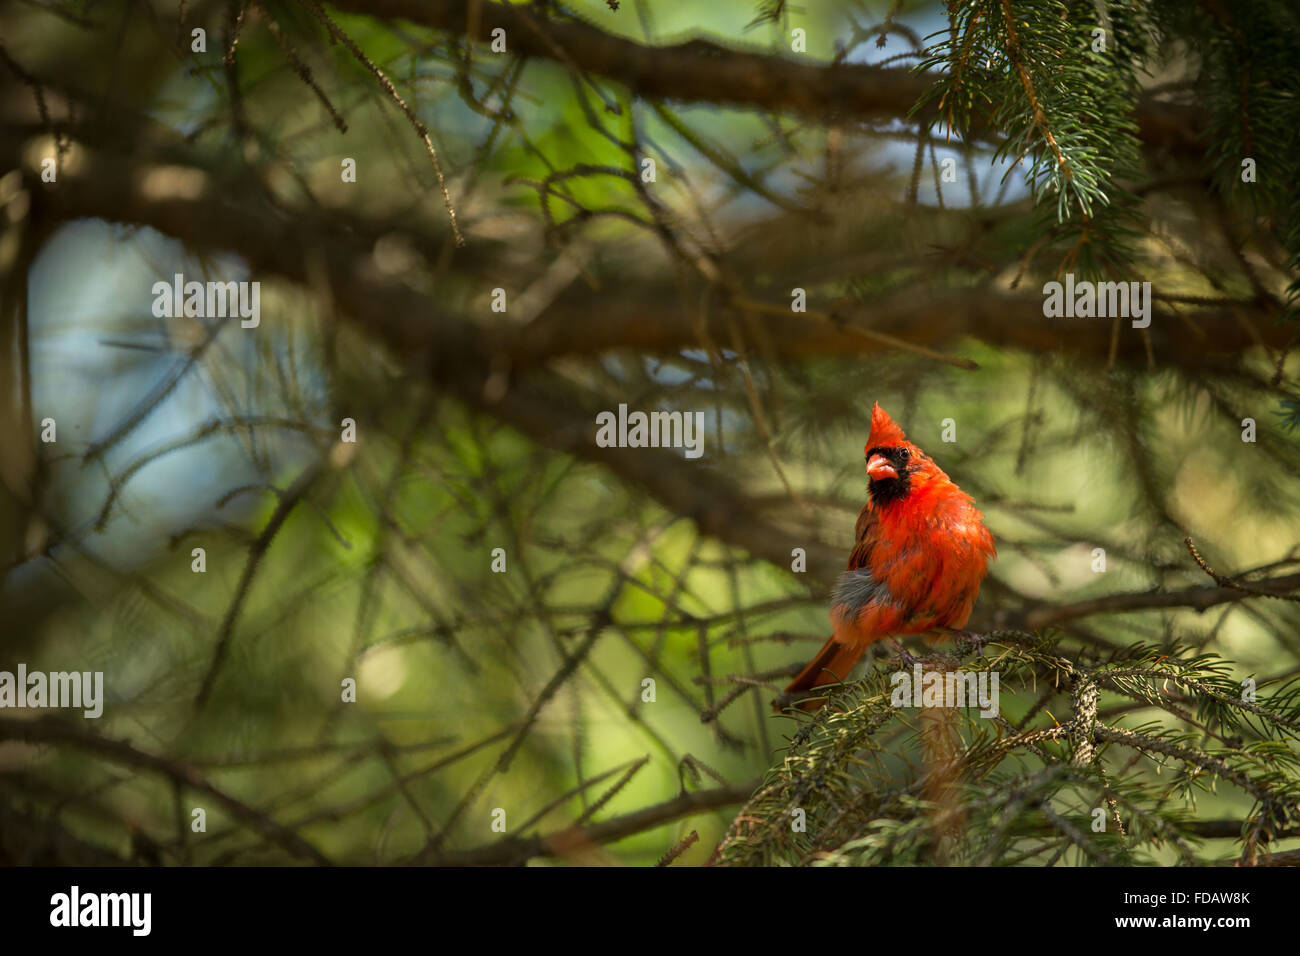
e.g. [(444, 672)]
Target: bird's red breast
[(921, 550)]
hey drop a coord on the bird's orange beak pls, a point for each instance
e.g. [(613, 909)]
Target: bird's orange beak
[(878, 467)]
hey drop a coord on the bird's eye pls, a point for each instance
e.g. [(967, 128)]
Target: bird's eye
[(904, 453)]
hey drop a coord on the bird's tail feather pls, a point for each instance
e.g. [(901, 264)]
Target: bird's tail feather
[(831, 665)]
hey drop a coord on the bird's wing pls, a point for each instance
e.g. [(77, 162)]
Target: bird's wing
[(857, 603), (862, 607), (864, 539)]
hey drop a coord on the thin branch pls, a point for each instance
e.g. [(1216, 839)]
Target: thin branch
[(517, 850), (288, 501), (1196, 598), (415, 121), (52, 731)]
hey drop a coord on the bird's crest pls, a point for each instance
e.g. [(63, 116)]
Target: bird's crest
[(884, 432)]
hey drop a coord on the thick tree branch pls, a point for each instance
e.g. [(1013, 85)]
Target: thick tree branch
[(698, 71), (647, 319), (693, 71)]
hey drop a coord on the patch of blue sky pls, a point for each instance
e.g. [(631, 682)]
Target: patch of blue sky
[(98, 353), (186, 100)]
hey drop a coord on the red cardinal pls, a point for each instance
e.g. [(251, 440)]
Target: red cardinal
[(921, 552)]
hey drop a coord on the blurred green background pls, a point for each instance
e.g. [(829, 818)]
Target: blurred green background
[(328, 560)]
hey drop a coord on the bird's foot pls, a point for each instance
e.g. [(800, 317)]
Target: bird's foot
[(907, 659)]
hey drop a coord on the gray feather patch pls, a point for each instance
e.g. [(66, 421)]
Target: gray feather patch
[(855, 589)]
